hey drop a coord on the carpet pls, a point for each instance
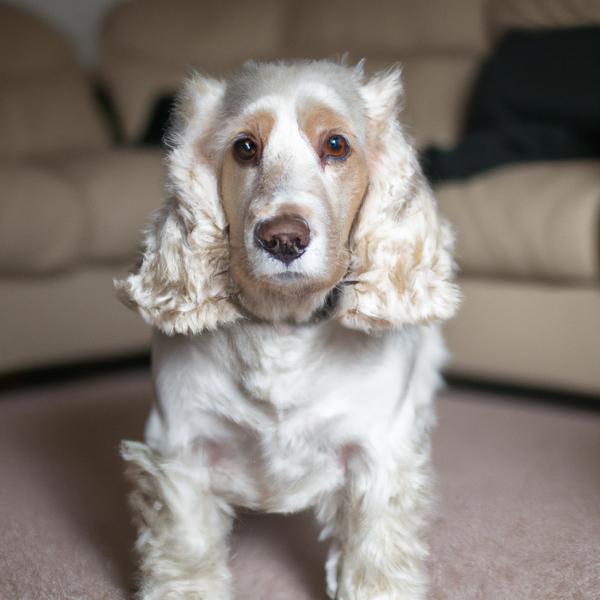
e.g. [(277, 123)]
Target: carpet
[(517, 518)]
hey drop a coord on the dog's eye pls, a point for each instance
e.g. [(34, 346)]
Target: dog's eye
[(337, 146), (245, 150)]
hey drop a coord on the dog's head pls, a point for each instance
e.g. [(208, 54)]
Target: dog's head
[(288, 182)]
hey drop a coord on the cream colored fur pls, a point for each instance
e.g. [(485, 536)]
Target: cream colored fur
[(265, 400)]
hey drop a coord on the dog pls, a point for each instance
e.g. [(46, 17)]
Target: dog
[(295, 280)]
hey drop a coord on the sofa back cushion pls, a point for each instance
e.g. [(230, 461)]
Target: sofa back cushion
[(147, 45), (536, 221), (42, 220), (536, 14), (45, 100), (386, 28)]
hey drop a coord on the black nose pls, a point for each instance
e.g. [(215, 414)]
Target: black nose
[(285, 237)]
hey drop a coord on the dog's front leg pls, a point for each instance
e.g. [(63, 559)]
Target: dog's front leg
[(376, 523), (183, 528)]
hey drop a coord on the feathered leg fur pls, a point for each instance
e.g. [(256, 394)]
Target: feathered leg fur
[(376, 522), (183, 528)]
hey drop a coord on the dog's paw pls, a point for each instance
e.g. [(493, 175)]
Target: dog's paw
[(183, 590), (360, 583), (171, 595), (174, 594), (364, 593)]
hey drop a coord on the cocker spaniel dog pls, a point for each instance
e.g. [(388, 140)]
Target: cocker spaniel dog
[(294, 279)]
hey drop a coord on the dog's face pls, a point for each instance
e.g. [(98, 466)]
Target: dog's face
[(292, 174), (288, 181)]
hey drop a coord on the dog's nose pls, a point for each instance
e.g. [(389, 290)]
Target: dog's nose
[(285, 237)]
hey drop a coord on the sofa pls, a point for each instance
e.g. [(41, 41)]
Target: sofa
[(77, 181)]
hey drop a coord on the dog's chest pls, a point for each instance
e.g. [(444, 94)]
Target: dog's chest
[(288, 448), (279, 413), (306, 410), (278, 470), (277, 368)]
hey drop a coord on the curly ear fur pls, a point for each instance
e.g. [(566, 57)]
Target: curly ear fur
[(401, 267), (183, 283)]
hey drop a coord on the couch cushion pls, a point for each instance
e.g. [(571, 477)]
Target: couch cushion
[(436, 90), (27, 44), (65, 318), (537, 220), (532, 14), (390, 29), (137, 70), (76, 209), (41, 220), (118, 190), (45, 101), (47, 113), (528, 333)]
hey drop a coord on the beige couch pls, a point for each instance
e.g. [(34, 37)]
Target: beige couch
[(73, 202)]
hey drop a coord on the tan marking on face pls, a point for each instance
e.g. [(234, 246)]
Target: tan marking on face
[(259, 125), (204, 149), (356, 184), (231, 182), (318, 122)]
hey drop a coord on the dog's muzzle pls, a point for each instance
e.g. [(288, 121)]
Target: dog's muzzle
[(284, 237)]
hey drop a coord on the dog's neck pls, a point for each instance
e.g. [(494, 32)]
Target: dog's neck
[(301, 312)]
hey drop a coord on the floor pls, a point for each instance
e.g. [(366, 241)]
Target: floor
[(518, 511)]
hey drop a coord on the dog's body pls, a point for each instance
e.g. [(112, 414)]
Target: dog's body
[(301, 273)]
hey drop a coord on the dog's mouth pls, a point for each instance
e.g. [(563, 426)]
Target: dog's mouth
[(289, 276), (290, 279)]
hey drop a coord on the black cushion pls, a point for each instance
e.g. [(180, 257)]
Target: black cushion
[(536, 98)]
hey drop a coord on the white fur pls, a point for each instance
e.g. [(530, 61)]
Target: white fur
[(277, 416)]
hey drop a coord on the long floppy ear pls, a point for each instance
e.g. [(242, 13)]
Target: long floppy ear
[(182, 284), (401, 267)]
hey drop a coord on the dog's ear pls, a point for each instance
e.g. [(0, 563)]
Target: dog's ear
[(182, 284), (401, 267)]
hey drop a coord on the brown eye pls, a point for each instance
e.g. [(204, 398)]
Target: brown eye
[(245, 150), (336, 146)]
